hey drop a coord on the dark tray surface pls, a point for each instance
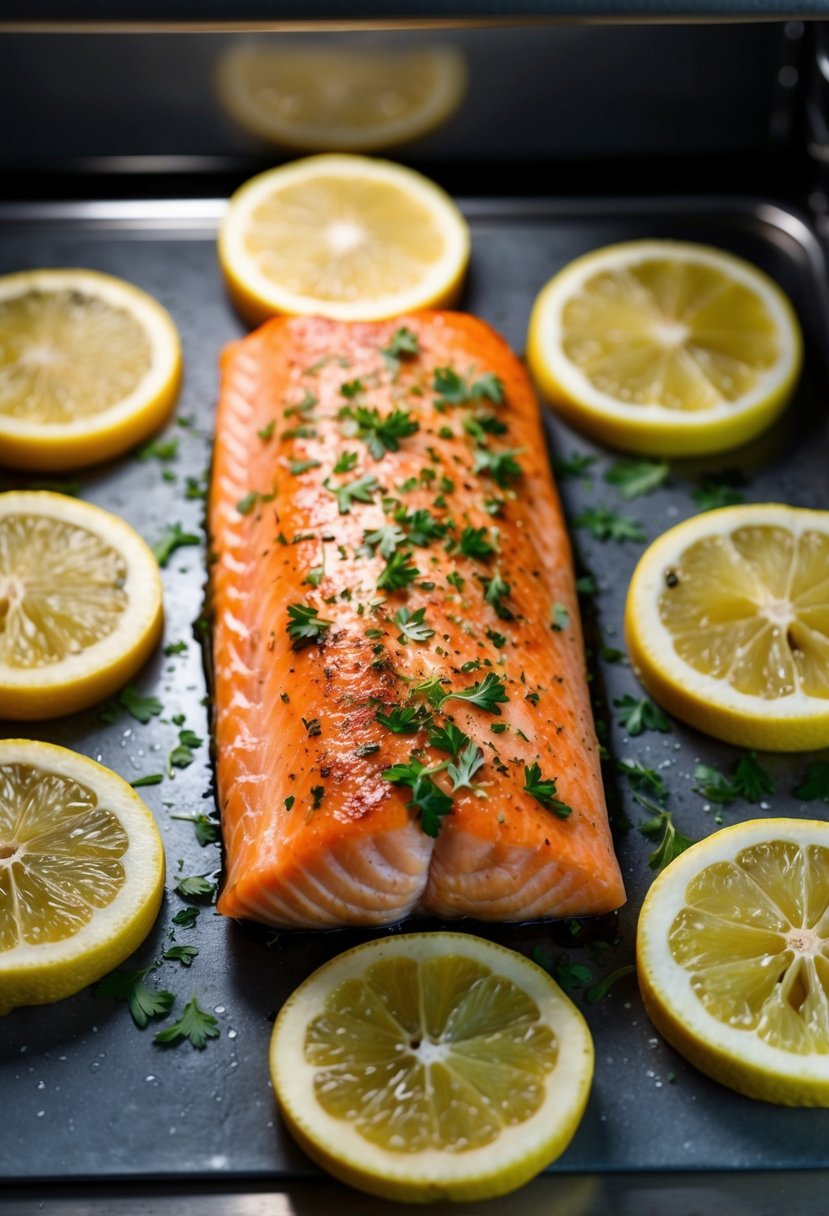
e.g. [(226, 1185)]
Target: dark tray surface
[(91, 1095)]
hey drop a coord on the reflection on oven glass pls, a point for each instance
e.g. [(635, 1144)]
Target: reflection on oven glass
[(318, 95)]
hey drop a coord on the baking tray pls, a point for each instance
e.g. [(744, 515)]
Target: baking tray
[(92, 1097)]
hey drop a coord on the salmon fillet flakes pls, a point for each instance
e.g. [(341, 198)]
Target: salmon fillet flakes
[(402, 716)]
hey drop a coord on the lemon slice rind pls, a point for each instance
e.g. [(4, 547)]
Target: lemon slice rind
[(82, 679), (448, 69), (39, 974), (651, 428), (796, 722), (258, 297), (56, 446), (519, 1152), (735, 1057)]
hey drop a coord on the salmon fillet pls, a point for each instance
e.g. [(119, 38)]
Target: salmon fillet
[(386, 536)]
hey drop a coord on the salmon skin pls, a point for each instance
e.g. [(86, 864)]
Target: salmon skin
[(402, 716)]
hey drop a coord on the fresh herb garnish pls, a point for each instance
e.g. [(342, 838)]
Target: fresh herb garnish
[(361, 490), (386, 538), (317, 795), (561, 618), (598, 991), (501, 466), (346, 461), (576, 465), (303, 466), (475, 544), (464, 768), (158, 449), (427, 796), (544, 791), (403, 345), (642, 778), (305, 406), (609, 525), (398, 573), (499, 640), (718, 490), (195, 886), (382, 433), (750, 781), (175, 648), (174, 538), (194, 1024), (352, 388), (149, 779), (637, 715), (672, 841), (143, 1002), (245, 505), (496, 590), (448, 738), (815, 785), (181, 954), (633, 478), (421, 526), (186, 918), (138, 706), (487, 694), (305, 625), (404, 719), (412, 625), (455, 390), (266, 432), (182, 754)]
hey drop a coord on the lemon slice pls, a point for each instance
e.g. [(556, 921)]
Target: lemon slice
[(665, 347), (430, 1066), (733, 958), (81, 872), (89, 366), (727, 624), (320, 99), (80, 604), (343, 237)]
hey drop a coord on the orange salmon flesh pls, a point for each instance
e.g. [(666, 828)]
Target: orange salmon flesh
[(363, 473)]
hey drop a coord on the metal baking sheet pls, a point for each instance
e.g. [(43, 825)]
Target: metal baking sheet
[(92, 1097)]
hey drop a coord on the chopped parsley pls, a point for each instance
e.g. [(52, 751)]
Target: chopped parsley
[(361, 490), (404, 719), (501, 466), (750, 781), (195, 1024), (175, 648), (207, 832), (186, 918), (158, 449), (305, 625), (412, 625), (815, 785), (181, 954), (499, 640), (382, 433), (346, 461), (671, 841), (303, 466), (633, 478), (718, 490), (475, 544), (487, 694), (138, 706), (305, 406), (455, 390), (544, 791), (427, 796), (561, 618), (195, 886), (149, 779), (385, 538), (404, 345), (421, 526), (266, 432), (464, 768), (496, 590), (642, 778), (317, 795), (352, 388), (143, 1002), (313, 727), (448, 738), (174, 538), (605, 524), (398, 573), (245, 505), (577, 464), (183, 754), (637, 715)]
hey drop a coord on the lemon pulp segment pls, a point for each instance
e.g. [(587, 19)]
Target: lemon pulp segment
[(751, 607), (61, 590), (343, 240), (81, 872), (344, 237), (665, 347), (467, 1066), (319, 99), (727, 623), (66, 355), (80, 604), (431, 1066), (62, 852), (754, 937), (89, 366), (732, 954), (680, 335)]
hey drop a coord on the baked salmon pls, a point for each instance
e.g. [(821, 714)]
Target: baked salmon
[(402, 716)]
